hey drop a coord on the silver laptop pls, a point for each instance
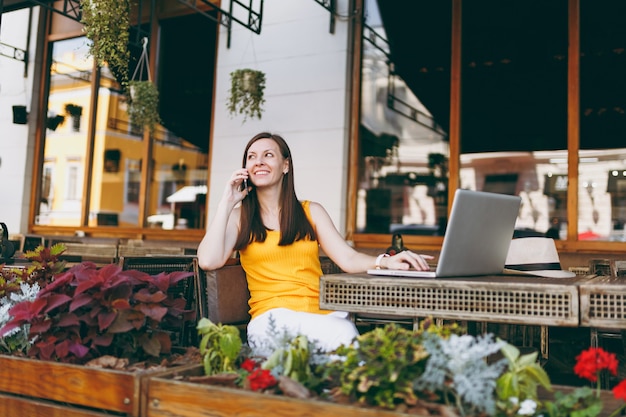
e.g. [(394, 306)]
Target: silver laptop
[(477, 237)]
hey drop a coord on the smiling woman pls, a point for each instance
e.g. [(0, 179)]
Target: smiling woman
[(278, 239)]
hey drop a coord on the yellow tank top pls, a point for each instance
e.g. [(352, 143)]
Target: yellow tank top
[(283, 276)]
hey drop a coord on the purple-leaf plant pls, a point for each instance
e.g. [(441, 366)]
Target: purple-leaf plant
[(88, 312)]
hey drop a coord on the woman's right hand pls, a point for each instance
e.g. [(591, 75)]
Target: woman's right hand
[(237, 187)]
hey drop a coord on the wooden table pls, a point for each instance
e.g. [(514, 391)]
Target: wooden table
[(510, 299), (603, 302), (499, 299), (603, 307)]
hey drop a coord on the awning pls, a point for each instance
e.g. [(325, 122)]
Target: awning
[(187, 194)]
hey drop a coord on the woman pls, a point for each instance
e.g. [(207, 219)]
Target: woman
[(278, 239)]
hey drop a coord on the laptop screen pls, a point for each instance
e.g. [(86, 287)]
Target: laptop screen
[(478, 235)]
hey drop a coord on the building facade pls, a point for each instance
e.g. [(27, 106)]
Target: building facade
[(388, 109)]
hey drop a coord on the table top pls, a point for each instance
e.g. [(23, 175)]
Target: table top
[(513, 299)]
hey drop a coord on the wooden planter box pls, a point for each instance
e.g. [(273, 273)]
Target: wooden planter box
[(41, 388), (171, 397), (168, 397)]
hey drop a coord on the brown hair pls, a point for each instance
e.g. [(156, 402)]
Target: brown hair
[(294, 224)]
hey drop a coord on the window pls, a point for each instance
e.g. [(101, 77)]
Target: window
[(602, 154), (403, 173), (69, 74), (72, 189), (133, 181), (46, 185), (110, 159), (515, 134)]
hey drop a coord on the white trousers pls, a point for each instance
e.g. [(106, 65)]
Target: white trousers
[(328, 331)]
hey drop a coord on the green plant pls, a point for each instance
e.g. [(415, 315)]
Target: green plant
[(45, 262), (23, 284), (381, 367), (435, 370), (88, 312), (581, 402), (247, 88), (292, 360), (107, 25), (144, 105), (220, 347), (459, 373), (521, 380)]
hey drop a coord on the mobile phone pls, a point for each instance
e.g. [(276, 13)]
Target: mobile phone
[(244, 185)]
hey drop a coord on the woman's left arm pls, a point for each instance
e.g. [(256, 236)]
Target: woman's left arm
[(350, 260)]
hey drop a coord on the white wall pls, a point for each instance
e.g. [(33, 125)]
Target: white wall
[(306, 101), (15, 149)]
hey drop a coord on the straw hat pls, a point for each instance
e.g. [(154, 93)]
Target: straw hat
[(535, 256)]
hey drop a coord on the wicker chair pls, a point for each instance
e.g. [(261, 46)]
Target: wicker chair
[(187, 288), (225, 295)]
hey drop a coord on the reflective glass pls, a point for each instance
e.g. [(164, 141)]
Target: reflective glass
[(65, 138), (602, 156), (514, 107), (403, 172)]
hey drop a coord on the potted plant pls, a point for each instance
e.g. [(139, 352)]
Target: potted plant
[(107, 25), (95, 335), (144, 104), (20, 115), (73, 109), (246, 94)]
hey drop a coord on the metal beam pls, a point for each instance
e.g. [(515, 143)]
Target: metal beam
[(377, 41), (405, 109), (13, 52), (71, 8), (394, 102), (225, 18), (1, 10), (331, 6)]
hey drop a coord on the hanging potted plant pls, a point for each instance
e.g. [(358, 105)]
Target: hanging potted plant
[(144, 104), (246, 97), (74, 109), (107, 25), (144, 95)]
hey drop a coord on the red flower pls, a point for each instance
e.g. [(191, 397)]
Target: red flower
[(619, 391), (593, 360), (261, 379), (248, 365)]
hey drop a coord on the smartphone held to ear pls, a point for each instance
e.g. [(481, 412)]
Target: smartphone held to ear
[(244, 185)]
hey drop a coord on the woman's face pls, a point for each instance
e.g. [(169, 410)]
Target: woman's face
[(265, 164)]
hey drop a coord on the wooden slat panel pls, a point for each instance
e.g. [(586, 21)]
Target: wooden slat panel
[(11, 406), (77, 385), (74, 384), (170, 398)]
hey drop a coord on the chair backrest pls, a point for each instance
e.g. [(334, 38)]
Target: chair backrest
[(226, 293), (186, 288), (149, 250), (99, 253)]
